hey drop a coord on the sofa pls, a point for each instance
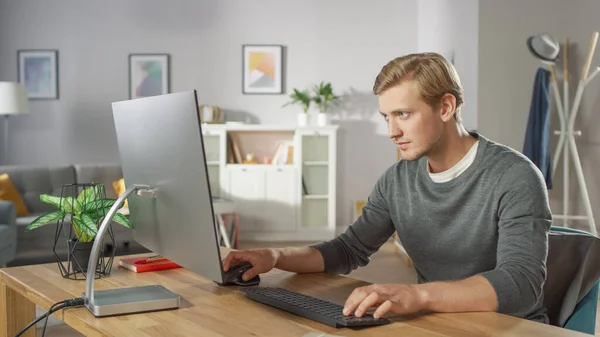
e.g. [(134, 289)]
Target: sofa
[(8, 232), (38, 246)]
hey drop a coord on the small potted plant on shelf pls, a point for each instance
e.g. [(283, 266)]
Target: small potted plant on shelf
[(324, 96), (303, 99), (80, 211)]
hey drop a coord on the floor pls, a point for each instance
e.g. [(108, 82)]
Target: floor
[(378, 271)]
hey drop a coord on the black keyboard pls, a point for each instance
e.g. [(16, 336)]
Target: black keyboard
[(310, 307)]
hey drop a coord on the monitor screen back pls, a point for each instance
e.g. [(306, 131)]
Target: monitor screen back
[(160, 144)]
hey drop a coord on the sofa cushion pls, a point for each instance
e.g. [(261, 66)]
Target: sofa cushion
[(119, 187), (7, 237), (41, 237), (8, 192), (8, 244), (100, 173), (32, 181)]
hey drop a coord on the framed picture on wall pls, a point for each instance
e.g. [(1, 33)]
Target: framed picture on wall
[(38, 71), (262, 69), (148, 75)]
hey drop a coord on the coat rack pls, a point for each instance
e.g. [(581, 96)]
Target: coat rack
[(566, 141)]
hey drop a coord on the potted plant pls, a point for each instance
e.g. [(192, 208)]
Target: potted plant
[(303, 99), (83, 215), (324, 96)]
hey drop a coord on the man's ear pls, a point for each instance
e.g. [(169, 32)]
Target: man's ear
[(447, 107)]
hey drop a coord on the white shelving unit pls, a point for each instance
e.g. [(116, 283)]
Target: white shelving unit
[(285, 202)]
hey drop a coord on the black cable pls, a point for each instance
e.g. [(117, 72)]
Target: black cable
[(37, 320), (31, 324), (55, 307), (50, 312), (68, 303)]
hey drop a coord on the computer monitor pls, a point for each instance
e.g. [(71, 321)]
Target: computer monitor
[(160, 145), (162, 152)]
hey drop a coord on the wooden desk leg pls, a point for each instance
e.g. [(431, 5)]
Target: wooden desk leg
[(16, 312)]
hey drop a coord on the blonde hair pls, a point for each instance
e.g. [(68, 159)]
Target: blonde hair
[(433, 75)]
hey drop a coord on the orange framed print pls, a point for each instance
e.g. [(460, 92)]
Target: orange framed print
[(262, 69)]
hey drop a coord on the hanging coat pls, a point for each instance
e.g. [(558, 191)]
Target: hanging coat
[(537, 137)]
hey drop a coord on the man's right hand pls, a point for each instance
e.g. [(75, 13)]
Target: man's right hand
[(262, 260)]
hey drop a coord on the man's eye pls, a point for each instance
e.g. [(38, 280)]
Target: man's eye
[(403, 114)]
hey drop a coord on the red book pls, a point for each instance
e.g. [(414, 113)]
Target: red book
[(141, 264)]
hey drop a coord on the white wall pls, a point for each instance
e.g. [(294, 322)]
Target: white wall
[(451, 27), (507, 71), (345, 42)]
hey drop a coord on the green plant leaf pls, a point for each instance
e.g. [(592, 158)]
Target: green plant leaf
[(301, 98), (76, 228), (87, 225), (98, 213), (119, 218), (324, 95), (88, 195), (67, 204), (99, 204), (51, 199), (45, 219), (122, 220), (77, 207), (79, 232), (85, 238)]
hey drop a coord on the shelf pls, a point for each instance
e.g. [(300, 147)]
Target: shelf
[(212, 148), (214, 180), (262, 145), (260, 167), (315, 196), (248, 127), (315, 148), (316, 179), (265, 127), (316, 163), (314, 213), (300, 189)]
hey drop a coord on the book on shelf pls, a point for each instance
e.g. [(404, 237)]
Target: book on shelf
[(284, 154), (144, 264), (234, 149)]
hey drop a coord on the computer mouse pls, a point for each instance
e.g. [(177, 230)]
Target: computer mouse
[(233, 276)]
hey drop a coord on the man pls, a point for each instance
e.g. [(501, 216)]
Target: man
[(473, 215)]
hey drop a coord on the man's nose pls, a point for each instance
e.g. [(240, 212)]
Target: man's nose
[(394, 131)]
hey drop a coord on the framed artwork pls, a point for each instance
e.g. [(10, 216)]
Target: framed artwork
[(148, 75), (38, 71), (262, 69)]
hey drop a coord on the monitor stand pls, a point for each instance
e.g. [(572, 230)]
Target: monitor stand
[(129, 300), (121, 301)]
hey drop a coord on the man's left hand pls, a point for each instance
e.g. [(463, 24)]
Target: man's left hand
[(396, 298)]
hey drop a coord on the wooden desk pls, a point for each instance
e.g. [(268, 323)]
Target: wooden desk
[(209, 310)]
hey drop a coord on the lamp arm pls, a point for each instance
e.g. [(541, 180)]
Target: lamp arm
[(143, 190)]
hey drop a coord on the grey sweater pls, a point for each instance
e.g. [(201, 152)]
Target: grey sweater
[(492, 220)]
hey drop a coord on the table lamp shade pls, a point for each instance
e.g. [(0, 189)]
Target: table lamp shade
[(13, 99)]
